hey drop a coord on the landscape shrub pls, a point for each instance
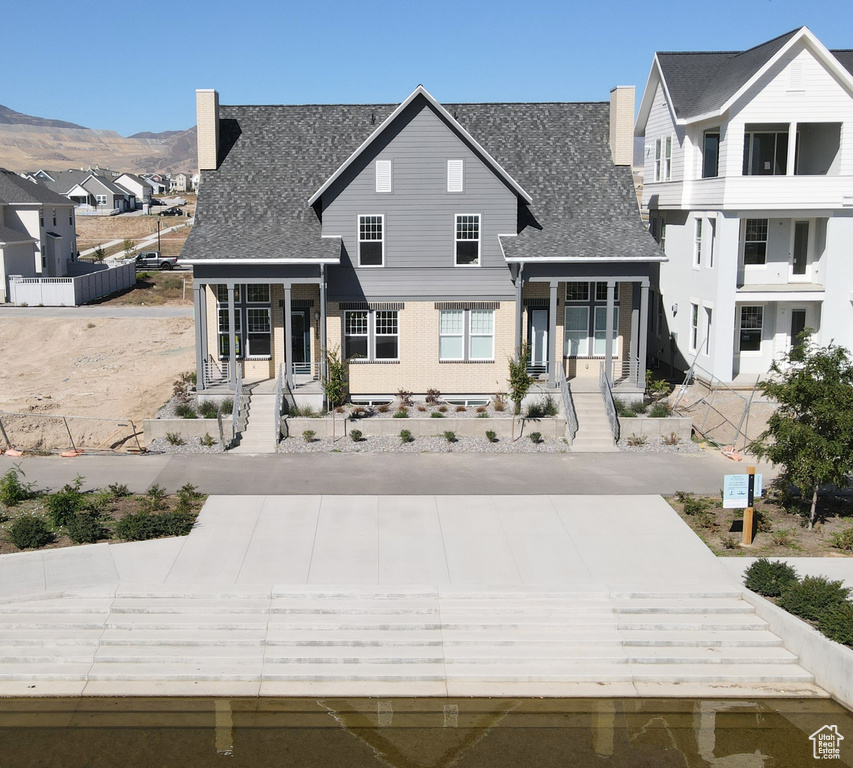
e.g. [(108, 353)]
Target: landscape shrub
[(406, 436), (383, 408), (402, 413), (535, 437), (12, 490), (836, 622), (155, 498), (450, 436), (442, 409), (355, 435), (185, 411), (461, 409), (491, 436), (545, 406), (188, 495), (671, 439), (436, 415), (118, 490), (769, 577), (622, 408), (405, 397), (29, 532), (843, 539), (812, 597), (86, 528), (308, 435), (143, 525), (660, 411), (483, 414), (174, 438), (227, 407), (638, 407), (729, 542), (499, 401), (63, 505), (637, 441), (433, 397), (208, 409), (782, 537), (208, 441)]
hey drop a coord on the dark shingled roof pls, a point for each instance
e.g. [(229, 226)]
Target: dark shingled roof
[(702, 81), (273, 158), (9, 235), (15, 189)]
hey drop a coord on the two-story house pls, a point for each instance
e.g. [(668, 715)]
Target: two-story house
[(749, 189), (427, 242), (37, 231)]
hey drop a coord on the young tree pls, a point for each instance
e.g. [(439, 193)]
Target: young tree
[(128, 247), (334, 381), (99, 254), (810, 435), (520, 380)]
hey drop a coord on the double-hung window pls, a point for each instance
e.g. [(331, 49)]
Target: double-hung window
[(101, 199), (755, 242), (751, 328), (224, 350), (371, 240), (466, 334), (663, 159), (694, 327), (467, 236), (258, 337), (372, 334), (585, 329)]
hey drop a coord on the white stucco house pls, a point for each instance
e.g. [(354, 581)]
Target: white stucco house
[(749, 190)]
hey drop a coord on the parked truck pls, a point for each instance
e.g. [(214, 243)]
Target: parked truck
[(154, 260)]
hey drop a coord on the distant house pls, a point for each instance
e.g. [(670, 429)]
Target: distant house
[(180, 182), (37, 231), (749, 188), (92, 191), (158, 183), (136, 186)]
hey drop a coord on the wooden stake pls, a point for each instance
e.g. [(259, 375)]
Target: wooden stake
[(748, 513)]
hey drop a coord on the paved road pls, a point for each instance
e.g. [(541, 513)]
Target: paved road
[(87, 310), (426, 473)]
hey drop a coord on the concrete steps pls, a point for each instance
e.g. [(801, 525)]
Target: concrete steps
[(338, 637), (594, 432), (259, 434)]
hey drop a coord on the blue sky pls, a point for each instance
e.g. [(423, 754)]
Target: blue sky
[(135, 67)]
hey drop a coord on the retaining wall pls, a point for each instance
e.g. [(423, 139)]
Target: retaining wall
[(154, 428), (655, 428)]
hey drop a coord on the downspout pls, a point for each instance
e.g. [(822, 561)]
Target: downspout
[(519, 284)]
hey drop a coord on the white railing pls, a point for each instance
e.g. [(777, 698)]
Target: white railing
[(568, 405), (279, 390), (70, 291), (629, 370), (239, 409), (609, 405), (213, 374)]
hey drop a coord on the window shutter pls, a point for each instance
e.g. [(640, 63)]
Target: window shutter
[(383, 175), (454, 175)]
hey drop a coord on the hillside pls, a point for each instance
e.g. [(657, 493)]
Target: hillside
[(28, 143)]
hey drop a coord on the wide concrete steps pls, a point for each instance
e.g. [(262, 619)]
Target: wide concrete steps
[(342, 636), (259, 434), (594, 432)]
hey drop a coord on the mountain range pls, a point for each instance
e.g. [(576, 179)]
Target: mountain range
[(28, 143)]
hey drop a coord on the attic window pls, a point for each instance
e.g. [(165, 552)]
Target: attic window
[(455, 175), (383, 175)]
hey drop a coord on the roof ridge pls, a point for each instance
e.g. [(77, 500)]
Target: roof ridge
[(791, 33)]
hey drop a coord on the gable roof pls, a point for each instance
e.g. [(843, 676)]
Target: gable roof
[(420, 91), (9, 236), (15, 189), (699, 83), (255, 205)]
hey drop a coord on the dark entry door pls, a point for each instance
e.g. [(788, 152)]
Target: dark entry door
[(300, 334)]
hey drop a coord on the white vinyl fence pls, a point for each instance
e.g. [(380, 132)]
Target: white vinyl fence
[(70, 291)]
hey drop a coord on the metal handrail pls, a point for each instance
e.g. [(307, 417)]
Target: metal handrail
[(568, 405), (279, 393), (609, 405), (209, 366), (630, 369), (238, 416)]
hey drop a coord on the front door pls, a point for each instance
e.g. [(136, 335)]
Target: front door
[(798, 325), (300, 341), (537, 333)]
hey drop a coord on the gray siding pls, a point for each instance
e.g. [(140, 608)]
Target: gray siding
[(420, 216)]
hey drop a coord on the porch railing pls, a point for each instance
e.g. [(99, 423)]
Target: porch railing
[(609, 405), (568, 405), (279, 391), (213, 374), (629, 370), (240, 409)]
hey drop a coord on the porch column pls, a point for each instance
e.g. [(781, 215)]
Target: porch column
[(288, 337), (608, 330), (644, 333), (552, 334), (792, 150), (323, 340), (519, 308), (232, 340), (199, 309), (634, 353)]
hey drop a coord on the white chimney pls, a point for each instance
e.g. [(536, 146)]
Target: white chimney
[(207, 122), (622, 124)]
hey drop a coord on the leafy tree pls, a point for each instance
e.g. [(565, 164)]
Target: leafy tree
[(810, 435), (99, 254), (520, 380), (334, 381), (128, 247)]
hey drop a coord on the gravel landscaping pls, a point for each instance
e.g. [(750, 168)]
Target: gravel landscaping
[(659, 446), (189, 445), (394, 444)]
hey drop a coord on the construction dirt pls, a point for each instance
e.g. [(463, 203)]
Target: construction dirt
[(108, 370)]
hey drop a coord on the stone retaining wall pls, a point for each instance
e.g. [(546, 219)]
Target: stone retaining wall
[(655, 428), (154, 428)]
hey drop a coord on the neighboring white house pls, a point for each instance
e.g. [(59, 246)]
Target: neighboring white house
[(136, 186), (749, 189), (180, 182), (37, 231)]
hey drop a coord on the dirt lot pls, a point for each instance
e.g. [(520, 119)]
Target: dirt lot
[(782, 530), (106, 368), (156, 289)]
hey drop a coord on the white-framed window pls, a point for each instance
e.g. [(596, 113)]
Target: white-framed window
[(711, 154), (455, 175), (694, 327), (663, 159), (222, 294), (755, 242), (371, 240), (765, 150), (466, 334), (709, 315), (697, 244), (601, 292), (751, 328), (101, 199), (223, 333), (482, 334), (372, 334), (258, 328), (577, 291), (383, 175), (467, 234), (712, 231), (600, 331), (577, 332), (257, 293)]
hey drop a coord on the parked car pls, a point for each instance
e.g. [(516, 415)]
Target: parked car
[(153, 260), (172, 212)]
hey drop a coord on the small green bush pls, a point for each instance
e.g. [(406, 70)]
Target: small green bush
[(637, 441), (769, 577), (836, 622), (436, 415), (483, 415), (536, 438), (155, 498), (208, 409), (844, 539), (695, 506), (208, 441), (491, 436), (119, 491), (406, 436), (638, 407), (622, 408), (174, 438), (227, 407), (308, 435), (729, 542), (546, 406), (29, 532), (660, 411), (188, 495), (401, 414), (174, 523), (63, 505), (86, 528), (185, 411), (812, 597), (355, 435), (12, 490), (450, 436), (671, 439), (782, 537)]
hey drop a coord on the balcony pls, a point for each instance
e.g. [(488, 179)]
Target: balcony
[(757, 293)]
